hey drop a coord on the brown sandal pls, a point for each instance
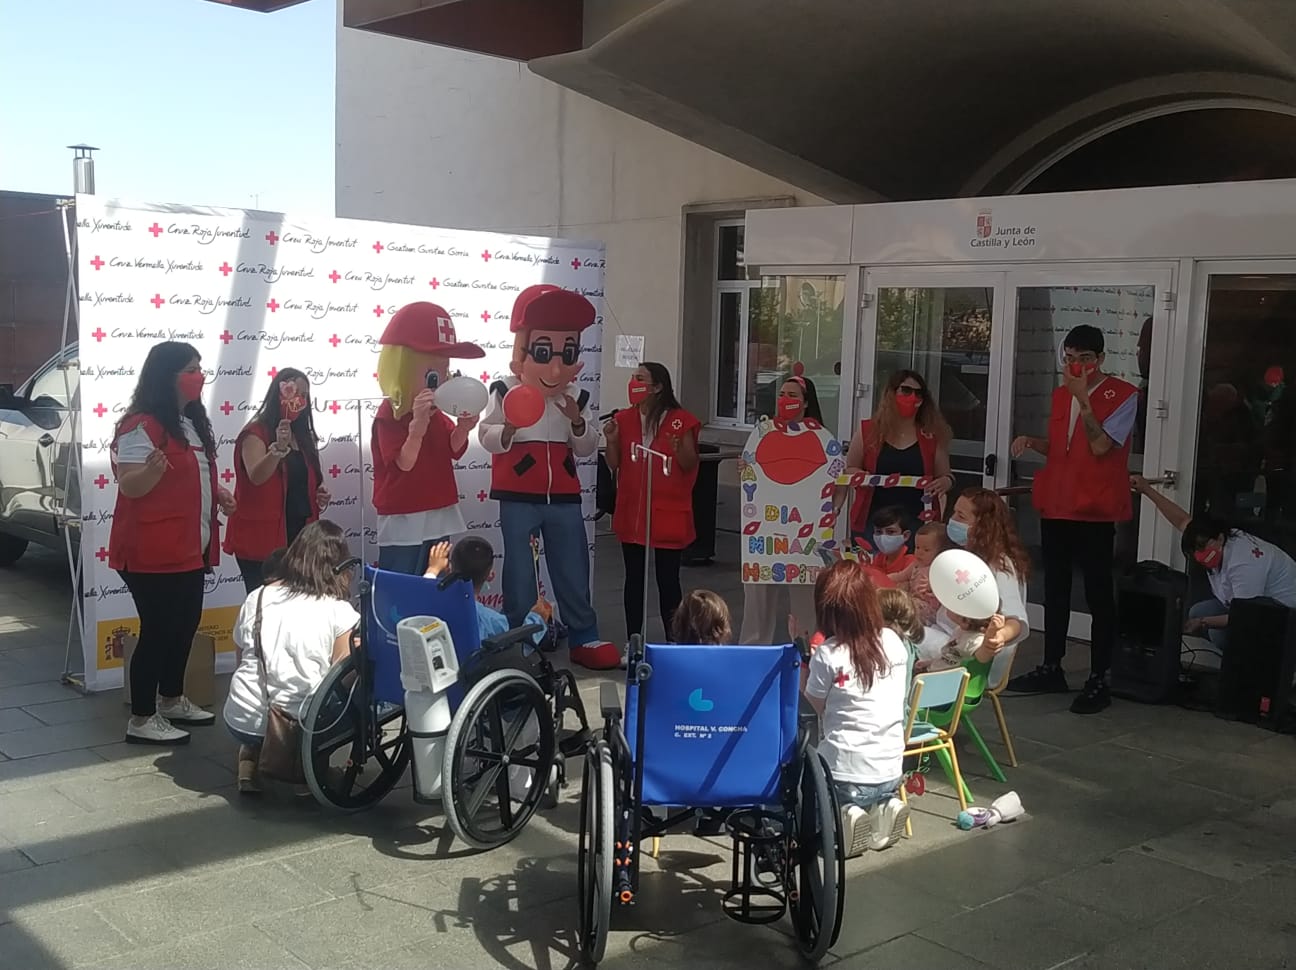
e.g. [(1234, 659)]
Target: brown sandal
[(248, 783)]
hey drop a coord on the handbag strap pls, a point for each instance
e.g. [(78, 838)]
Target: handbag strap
[(260, 655)]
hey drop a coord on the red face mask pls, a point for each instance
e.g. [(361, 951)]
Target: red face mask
[(637, 391), (1081, 370), (1209, 557), (789, 407), (190, 386), (907, 405)]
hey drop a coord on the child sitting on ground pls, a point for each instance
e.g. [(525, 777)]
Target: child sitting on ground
[(473, 558), (702, 618), (931, 540)]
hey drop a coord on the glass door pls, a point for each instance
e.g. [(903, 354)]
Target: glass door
[(1132, 307)]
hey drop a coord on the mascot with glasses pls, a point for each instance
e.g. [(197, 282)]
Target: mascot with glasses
[(535, 428)]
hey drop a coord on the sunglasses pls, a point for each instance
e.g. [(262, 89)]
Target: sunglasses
[(542, 352), (907, 390)]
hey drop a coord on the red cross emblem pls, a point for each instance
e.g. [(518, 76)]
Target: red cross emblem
[(1109, 393), (842, 678), (1257, 552), (961, 577), (677, 424), (445, 330)]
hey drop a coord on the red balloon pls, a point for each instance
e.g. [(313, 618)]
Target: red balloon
[(523, 406)]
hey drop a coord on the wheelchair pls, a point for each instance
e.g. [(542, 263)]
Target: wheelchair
[(707, 728), (505, 748)]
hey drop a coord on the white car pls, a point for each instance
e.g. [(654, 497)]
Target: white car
[(37, 502)]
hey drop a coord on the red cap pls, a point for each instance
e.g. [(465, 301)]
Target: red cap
[(548, 307), (428, 329)]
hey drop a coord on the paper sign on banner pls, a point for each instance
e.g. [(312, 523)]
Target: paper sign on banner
[(255, 292), (629, 350), (787, 474)]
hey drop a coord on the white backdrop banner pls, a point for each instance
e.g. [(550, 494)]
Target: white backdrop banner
[(258, 291)]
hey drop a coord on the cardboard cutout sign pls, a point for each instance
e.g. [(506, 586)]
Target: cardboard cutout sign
[(787, 475)]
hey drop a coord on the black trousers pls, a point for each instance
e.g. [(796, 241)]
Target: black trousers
[(1091, 547), (251, 570), (666, 564), (170, 608)]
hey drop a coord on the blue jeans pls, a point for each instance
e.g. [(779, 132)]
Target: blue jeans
[(865, 796), (1211, 607), (406, 559), (562, 527)]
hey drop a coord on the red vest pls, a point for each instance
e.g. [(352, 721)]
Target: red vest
[(864, 494), (161, 532), (258, 527), (672, 495), (430, 484), (1075, 483), (538, 471)]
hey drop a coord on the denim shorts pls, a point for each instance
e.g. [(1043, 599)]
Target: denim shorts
[(865, 796)]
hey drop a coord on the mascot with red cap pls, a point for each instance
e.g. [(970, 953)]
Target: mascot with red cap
[(535, 428), (415, 442)]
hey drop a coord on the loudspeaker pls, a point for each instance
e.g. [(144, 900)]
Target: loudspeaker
[(1258, 665), (1149, 633)]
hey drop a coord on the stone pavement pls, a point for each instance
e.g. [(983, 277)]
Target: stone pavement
[(1156, 838)]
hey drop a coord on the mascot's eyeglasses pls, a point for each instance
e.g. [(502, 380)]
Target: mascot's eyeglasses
[(542, 352)]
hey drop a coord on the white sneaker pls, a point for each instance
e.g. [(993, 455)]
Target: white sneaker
[(857, 830), (888, 823), (156, 730), (184, 711)]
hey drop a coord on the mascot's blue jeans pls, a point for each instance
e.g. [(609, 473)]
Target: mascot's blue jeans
[(562, 529)]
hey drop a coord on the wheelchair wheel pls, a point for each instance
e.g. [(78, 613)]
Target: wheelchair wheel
[(594, 857), (819, 858), (499, 754), (336, 756)]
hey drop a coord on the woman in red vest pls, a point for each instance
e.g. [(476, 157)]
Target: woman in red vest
[(907, 435), (656, 419), (165, 536), (278, 480)]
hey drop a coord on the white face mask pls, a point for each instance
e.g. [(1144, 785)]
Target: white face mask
[(886, 543)]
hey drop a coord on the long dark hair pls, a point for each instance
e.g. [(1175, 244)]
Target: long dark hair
[(994, 536), (155, 394), (1200, 530), (270, 413), (308, 565), (928, 420), (847, 610), (665, 400)]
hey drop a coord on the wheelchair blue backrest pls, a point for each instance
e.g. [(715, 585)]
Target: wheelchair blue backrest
[(719, 723), (394, 597)]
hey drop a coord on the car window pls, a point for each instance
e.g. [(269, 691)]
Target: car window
[(52, 383)]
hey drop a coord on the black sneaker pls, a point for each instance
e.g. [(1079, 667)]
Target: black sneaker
[(1044, 679), (1093, 698)]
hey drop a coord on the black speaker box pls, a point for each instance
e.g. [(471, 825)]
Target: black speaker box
[(1149, 633), (1255, 684)]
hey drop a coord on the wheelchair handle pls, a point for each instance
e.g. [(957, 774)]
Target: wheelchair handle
[(450, 578), (342, 567)]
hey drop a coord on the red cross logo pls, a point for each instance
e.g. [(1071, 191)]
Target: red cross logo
[(226, 337), (227, 476), (273, 305), (225, 269), (485, 316), (155, 229), (226, 408), (434, 282), (157, 301), (101, 481), (379, 311), (1257, 552), (335, 471), (335, 407), (102, 554), (334, 276), (98, 335), (97, 263), (271, 238), (486, 255), (962, 577), (100, 410), (842, 678), (575, 263), (482, 496), (1109, 394), (377, 247), (484, 377), (335, 340), (272, 372), (445, 330)]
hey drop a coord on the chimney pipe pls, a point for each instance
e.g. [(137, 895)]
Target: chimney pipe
[(83, 181)]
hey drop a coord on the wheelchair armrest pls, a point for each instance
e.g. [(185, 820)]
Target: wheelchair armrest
[(609, 700), (509, 637)]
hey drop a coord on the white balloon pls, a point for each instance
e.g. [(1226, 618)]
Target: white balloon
[(462, 395), (964, 584)]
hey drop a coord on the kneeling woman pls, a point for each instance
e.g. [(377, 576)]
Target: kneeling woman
[(289, 634), (1238, 565)]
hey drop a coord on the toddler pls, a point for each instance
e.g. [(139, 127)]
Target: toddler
[(967, 642), (914, 579), (702, 618)]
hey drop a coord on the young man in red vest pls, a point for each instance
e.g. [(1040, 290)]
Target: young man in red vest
[(1080, 494)]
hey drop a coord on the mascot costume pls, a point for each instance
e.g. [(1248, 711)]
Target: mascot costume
[(535, 428), (415, 443)]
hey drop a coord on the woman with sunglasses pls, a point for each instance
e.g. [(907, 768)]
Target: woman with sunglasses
[(907, 435)]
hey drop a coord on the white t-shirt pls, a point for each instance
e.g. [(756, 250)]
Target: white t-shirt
[(134, 447), (415, 528), (863, 732), (1252, 567), (297, 634)]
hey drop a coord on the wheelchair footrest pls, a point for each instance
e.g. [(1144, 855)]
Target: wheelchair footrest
[(756, 893), (574, 743)]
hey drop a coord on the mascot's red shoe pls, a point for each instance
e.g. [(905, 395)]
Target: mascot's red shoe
[(596, 655)]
